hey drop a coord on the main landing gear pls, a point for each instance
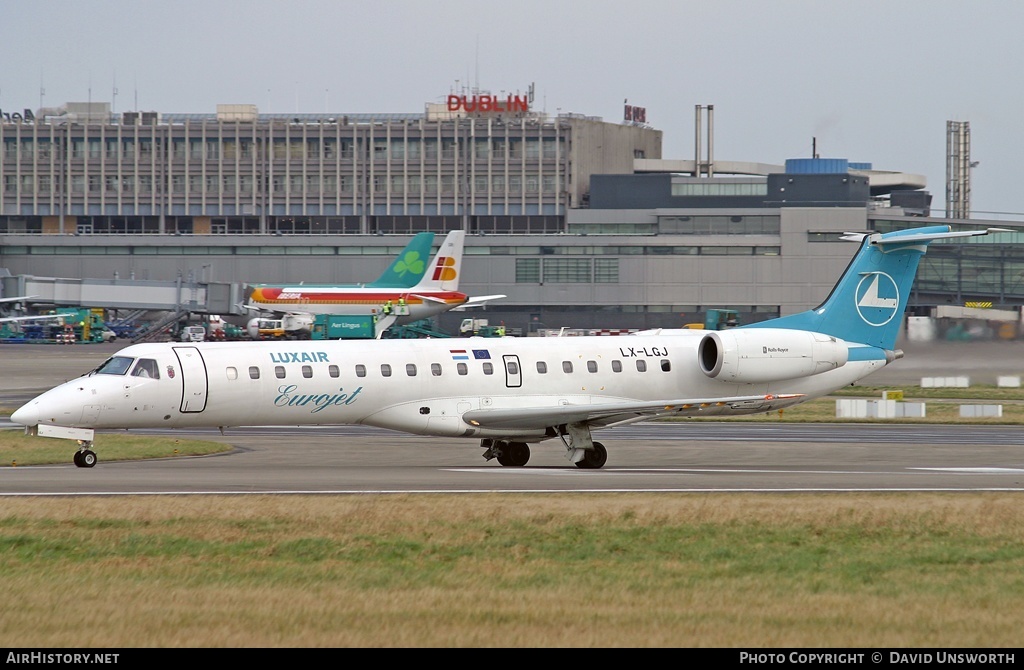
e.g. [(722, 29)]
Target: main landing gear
[(580, 449), (85, 457), (593, 459), (509, 454)]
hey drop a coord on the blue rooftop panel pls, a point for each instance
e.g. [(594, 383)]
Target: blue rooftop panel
[(817, 165)]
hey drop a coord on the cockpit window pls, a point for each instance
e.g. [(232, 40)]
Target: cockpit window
[(115, 365), (146, 367)]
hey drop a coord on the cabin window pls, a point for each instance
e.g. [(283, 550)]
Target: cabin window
[(592, 366), (254, 372), (616, 366), (512, 367), (307, 371), (385, 370), (666, 365), (488, 368), (360, 370), (333, 371), (410, 369), (232, 373), (279, 371), (146, 367), (542, 367), (567, 367), (435, 369), (641, 365), (462, 368)]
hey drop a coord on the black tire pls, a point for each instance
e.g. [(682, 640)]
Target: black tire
[(78, 459), (517, 454), (503, 454), (594, 459), (88, 458)]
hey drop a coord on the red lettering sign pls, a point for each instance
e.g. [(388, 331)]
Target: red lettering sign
[(476, 104), (635, 114)]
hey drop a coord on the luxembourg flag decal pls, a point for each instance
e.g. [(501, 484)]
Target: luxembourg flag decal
[(459, 355)]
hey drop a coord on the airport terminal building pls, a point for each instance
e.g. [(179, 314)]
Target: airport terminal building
[(580, 222)]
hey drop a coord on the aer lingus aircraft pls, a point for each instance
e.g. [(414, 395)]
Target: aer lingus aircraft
[(435, 292), (405, 271), (507, 393)]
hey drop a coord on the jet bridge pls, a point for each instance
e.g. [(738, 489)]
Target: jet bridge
[(180, 295)]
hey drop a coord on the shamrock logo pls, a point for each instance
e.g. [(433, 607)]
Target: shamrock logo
[(411, 262)]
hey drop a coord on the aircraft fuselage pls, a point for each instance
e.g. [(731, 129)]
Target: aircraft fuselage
[(357, 302), (422, 386)]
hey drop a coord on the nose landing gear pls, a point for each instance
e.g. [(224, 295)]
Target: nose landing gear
[(85, 457)]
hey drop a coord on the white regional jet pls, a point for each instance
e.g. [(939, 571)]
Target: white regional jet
[(508, 392)]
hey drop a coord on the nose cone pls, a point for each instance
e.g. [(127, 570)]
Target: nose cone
[(26, 415)]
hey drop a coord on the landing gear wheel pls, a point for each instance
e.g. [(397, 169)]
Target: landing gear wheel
[(503, 453), (85, 459), (517, 454), (595, 458)]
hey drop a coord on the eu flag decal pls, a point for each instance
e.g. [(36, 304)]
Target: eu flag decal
[(479, 354), (459, 355)]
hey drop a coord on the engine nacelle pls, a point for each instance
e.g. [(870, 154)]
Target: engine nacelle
[(759, 355)]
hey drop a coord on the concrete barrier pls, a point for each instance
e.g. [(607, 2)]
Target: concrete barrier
[(1008, 382), (851, 408), (861, 408), (951, 382), (981, 411)]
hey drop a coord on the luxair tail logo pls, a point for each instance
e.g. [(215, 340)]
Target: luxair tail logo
[(444, 269), (878, 298), (410, 262)]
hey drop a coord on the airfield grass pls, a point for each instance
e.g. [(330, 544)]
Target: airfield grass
[(17, 449), (500, 570)]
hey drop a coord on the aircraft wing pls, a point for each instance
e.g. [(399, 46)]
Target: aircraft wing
[(610, 414), (41, 317), (268, 310), (18, 297), (477, 301)]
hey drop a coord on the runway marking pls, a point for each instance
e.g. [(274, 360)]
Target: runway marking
[(736, 471), (980, 471)]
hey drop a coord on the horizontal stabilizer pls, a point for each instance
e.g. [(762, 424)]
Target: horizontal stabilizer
[(920, 237), (478, 301)]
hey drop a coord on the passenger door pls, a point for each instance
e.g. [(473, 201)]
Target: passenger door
[(194, 382)]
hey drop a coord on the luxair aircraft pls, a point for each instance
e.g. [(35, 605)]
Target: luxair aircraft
[(507, 393), (435, 292)]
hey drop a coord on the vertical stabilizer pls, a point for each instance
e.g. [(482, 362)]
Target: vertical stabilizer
[(867, 304), (410, 266), (444, 271)]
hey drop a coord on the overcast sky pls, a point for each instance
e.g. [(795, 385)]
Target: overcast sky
[(872, 81)]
